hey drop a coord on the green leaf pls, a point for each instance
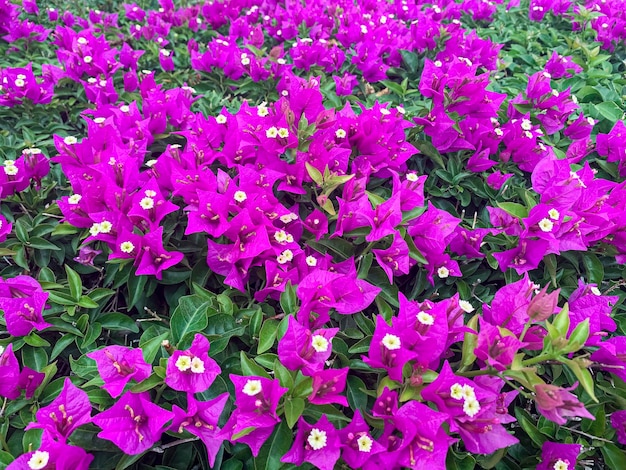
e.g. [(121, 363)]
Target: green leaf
[(430, 151), (610, 111), (288, 299), (42, 244), (528, 425), (127, 460), (267, 336), (314, 174), (190, 316), (293, 410), (148, 384), (515, 209), (356, 388), (118, 322), (283, 375), (456, 462), (76, 285), (561, 321), (274, 448), (249, 367), (64, 229), (150, 345), (614, 457), (594, 268), (86, 302), (61, 345), (136, 289), (91, 335), (35, 358), (579, 336), (36, 341), (583, 375)]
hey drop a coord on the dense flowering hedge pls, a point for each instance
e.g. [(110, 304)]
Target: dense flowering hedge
[(279, 234)]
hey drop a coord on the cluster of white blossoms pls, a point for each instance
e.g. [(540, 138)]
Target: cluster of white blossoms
[(466, 392), (285, 257), (102, 227), (281, 132), (283, 237), (546, 224), (187, 363), (285, 219)]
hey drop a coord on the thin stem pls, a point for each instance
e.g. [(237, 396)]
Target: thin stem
[(521, 391), (476, 373), (524, 331), (159, 393), (538, 359), (590, 436), (161, 449)]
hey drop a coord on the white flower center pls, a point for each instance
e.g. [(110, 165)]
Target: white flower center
[(183, 363), (146, 203), (127, 247), (554, 214), (38, 460), (391, 342), (471, 407), (561, 465), (283, 133), (365, 443), (252, 387), (546, 225), (340, 133), (285, 257), (197, 365), (425, 318), (456, 391), (70, 140), (412, 177), (466, 306), (11, 170), (220, 119), (443, 272), (271, 133), (106, 226), (311, 261), (285, 219), (319, 343), (240, 196), (468, 392), (317, 439)]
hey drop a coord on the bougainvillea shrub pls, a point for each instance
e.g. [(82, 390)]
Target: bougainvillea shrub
[(279, 234)]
